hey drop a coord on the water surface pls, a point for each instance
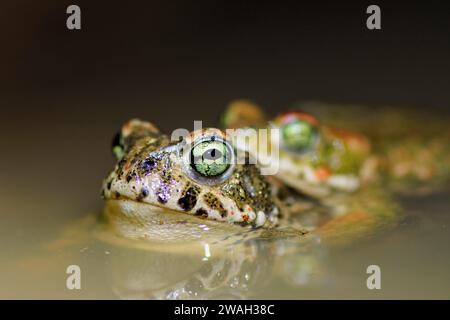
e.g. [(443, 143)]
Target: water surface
[(413, 257)]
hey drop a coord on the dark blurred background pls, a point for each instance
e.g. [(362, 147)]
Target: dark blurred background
[(64, 93)]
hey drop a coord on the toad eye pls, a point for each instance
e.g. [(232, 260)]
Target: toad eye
[(299, 135), (210, 160)]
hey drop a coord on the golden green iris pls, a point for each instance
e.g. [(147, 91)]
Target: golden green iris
[(210, 158), (298, 135)]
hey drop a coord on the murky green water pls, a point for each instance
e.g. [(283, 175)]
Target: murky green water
[(413, 257)]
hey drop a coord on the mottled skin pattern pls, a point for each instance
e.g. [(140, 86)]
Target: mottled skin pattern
[(152, 170)]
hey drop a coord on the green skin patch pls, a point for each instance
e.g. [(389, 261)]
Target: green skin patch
[(336, 155), (298, 135), (118, 152), (210, 158)]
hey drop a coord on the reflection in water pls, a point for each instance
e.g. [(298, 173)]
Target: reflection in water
[(329, 262), (230, 274), (234, 266), (201, 271)]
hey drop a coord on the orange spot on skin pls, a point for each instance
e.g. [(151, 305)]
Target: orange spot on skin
[(323, 173)]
